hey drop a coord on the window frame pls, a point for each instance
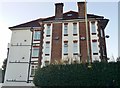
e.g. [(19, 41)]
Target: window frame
[(74, 29), (37, 35)]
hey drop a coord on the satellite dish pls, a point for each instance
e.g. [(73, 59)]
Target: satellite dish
[(107, 36)]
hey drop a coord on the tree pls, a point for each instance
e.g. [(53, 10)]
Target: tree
[(118, 59), (4, 69)]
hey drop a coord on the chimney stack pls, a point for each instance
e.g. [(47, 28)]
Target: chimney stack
[(59, 10), (81, 9)]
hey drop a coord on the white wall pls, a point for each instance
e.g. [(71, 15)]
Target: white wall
[(19, 48)]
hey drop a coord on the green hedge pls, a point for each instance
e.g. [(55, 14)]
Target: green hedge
[(100, 74)]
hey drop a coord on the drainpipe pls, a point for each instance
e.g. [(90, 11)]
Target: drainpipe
[(87, 37), (32, 30)]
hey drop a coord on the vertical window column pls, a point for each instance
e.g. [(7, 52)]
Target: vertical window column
[(65, 29)]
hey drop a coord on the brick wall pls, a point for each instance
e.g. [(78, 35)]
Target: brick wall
[(83, 43), (56, 53)]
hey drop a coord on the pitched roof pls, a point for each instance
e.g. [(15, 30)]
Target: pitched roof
[(72, 15), (33, 23), (66, 16)]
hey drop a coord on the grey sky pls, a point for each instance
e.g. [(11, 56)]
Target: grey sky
[(14, 13)]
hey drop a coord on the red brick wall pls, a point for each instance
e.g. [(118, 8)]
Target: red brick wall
[(83, 43), (56, 53)]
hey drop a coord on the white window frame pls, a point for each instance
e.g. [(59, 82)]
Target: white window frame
[(35, 52)]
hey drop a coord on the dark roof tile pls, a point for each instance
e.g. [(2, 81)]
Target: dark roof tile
[(66, 16)]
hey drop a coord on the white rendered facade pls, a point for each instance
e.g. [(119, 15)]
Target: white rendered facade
[(18, 58)]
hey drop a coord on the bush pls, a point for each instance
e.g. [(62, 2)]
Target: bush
[(100, 74)]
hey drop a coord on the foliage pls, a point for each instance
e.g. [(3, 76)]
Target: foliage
[(4, 69), (118, 59), (99, 74)]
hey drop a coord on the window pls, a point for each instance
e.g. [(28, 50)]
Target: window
[(101, 32), (95, 47), (75, 47), (37, 35), (48, 30), (69, 14), (47, 48), (47, 63), (103, 51), (65, 29), (65, 47), (33, 69), (35, 52), (93, 28), (74, 28)]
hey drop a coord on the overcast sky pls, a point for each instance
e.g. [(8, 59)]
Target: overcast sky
[(16, 12)]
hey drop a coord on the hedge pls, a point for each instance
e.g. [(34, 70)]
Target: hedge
[(100, 74)]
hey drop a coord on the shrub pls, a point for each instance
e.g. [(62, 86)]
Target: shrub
[(100, 74)]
